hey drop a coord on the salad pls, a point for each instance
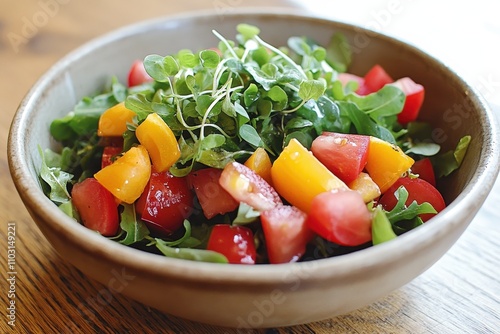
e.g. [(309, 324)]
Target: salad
[(249, 153)]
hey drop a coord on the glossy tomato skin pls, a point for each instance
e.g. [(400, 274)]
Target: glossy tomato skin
[(286, 233), (418, 190), (213, 198), (345, 155), (415, 94), (375, 79), (96, 206), (108, 155), (137, 74), (165, 202), (425, 170), (234, 242), (341, 217)]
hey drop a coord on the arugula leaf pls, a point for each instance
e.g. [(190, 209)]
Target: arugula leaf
[(135, 229), (246, 215), (312, 89), (56, 178), (381, 227), (190, 253), (388, 101), (402, 212), (250, 135), (339, 54), (449, 161)]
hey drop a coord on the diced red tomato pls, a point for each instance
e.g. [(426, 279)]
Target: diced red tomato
[(165, 203), (108, 154), (213, 198), (425, 170), (418, 190), (375, 79), (341, 217), (137, 74), (247, 186), (414, 99), (96, 206), (234, 242), (286, 233), (343, 154)]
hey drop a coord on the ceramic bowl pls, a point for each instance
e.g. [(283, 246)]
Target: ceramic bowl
[(262, 295)]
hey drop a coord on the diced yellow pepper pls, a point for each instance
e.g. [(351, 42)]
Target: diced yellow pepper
[(386, 163), (364, 185), (113, 121), (260, 163), (128, 175), (298, 176), (157, 137)]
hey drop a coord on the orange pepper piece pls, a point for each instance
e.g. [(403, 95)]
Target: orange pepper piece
[(157, 137), (298, 176), (128, 175), (113, 121), (261, 164), (386, 163)]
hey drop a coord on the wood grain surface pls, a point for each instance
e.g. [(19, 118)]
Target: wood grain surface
[(459, 294)]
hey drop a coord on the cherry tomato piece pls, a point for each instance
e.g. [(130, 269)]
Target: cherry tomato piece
[(418, 190), (425, 170), (165, 202), (246, 186), (345, 155), (234, 242), (341, 217), (213, 198), (137, 74), (108, 155), (376, 78), (96, 206), (286, 233), (414, 99)]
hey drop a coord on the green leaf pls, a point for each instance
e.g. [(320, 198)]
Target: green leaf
[(187, 59), (155, 67), (339, 53), (312, 89), (298, 123), (246, 215), (279, 97), (56, 178), (381, 227), (189, 253), (250, 135), (364, 124), (186, 240), (209, 58), (212, 141), (248, 31), (422, 148), (140, 105), (250, 95), (387, 101), (402, 212), (69, 210), (135, 229), (449, 161)]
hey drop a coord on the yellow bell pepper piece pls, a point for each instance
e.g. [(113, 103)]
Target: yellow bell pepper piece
[(260, 163), (156, 136), (386, 163), (298, 176), (128, 175), (113, 121), (364, 185)]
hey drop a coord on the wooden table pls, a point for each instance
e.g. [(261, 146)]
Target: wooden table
[(460, 294)]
